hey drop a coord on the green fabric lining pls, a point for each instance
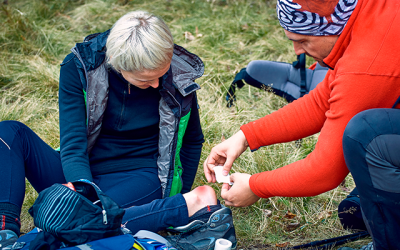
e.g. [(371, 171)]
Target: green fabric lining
[(176, 185)]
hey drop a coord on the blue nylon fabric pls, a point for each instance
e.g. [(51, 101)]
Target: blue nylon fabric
[(124, 242)]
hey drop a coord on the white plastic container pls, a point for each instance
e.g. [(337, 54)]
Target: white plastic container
[(223, 244)]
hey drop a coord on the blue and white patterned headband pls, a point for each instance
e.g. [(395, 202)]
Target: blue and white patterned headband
[(315, 17)]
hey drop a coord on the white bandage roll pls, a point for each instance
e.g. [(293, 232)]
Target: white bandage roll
[(222, 244)]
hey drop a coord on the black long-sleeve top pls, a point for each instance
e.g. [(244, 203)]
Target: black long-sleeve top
[(129, 135)]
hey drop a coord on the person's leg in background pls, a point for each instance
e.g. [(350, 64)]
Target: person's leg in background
[(23, 154), (371, 145), (284, 77), (318, 74)]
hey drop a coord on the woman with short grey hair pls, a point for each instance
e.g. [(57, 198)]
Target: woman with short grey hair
[(129, 123), (139, 41)]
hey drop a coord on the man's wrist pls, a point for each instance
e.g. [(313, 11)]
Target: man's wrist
[(243, 138)]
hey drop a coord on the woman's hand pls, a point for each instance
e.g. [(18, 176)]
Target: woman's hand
[(224, 154)]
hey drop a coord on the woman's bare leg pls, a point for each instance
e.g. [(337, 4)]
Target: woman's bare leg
[(199, 198)]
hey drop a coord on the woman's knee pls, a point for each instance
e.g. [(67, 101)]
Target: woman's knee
[(8, 126), (9, 131)]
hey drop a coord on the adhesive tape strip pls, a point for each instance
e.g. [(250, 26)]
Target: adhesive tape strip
[(222, 244), (220, 177)]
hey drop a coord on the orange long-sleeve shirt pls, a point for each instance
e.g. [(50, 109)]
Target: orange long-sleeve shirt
[(365, 63)]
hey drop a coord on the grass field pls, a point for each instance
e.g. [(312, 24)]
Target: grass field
[(36, 35)]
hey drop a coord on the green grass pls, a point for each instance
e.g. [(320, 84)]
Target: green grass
[(36, 35)]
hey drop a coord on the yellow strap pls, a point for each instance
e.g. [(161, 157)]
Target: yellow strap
[(136, 246)]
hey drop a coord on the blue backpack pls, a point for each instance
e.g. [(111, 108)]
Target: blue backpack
[(79, 215), (143, 240)]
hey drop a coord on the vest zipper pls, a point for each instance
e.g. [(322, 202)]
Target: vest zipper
[(176, 102)]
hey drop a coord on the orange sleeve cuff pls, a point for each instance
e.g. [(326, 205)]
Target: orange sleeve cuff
[(255, 186), (250, 137)]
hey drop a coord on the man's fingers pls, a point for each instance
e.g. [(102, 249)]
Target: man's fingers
[(228, 203), (232, 177), (212, 173), (207, 171), (209, 165), (224, 191), (228, 165), (210, 176)]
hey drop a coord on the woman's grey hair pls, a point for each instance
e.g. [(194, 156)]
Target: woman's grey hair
[(139, 41)]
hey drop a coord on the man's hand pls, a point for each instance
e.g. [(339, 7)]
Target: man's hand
[(224, 154), (240, 194)]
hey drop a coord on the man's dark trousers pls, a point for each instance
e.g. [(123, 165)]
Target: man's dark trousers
[(371, 145)]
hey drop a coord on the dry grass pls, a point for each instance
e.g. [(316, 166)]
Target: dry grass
[(36, 35)]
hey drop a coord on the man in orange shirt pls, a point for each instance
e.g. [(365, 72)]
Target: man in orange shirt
[(356, 39)]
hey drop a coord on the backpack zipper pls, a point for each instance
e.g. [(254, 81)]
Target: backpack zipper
[(104, 217)]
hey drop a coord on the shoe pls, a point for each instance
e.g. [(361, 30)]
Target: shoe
[(200, 235), (7, 239), (370, 246)]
